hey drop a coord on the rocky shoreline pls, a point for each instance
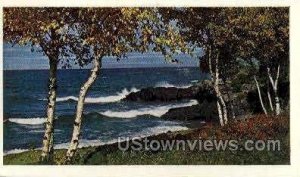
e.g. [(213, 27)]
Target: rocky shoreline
[(205, 110), (244, 103), (200, 91)]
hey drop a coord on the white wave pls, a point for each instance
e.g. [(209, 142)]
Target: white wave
[(61, 99), (84, 143), (106, 99), (36, 131), (14, 151), (87, 143), (145, 133), (28, 121), (159, 130), (42, 131), (167, 85), (156, 111)]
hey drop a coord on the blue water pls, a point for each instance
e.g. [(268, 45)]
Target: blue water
[(106, 116)]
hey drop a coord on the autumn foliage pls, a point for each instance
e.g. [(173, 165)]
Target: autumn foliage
[(259, 127)]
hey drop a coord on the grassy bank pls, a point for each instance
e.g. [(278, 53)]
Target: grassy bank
[(256, 128)]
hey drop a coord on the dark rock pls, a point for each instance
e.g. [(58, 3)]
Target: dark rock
[(154, 94), (163, 94), (188, 93), (205, 111), (203, 92)]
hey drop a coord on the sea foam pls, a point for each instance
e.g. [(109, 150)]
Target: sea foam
[(105, 99), (156, 111), (87, 143), (14, 151), (118, 96), (144, 133), (167, 85), (28, 121)]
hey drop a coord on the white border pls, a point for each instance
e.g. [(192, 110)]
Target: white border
[(174, 171)]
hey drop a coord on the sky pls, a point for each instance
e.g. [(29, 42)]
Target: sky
[(21, 58)]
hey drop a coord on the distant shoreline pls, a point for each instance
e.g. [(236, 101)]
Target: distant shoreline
[(109, 68)]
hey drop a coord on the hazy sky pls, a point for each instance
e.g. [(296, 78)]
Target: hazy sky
[(20, 58)]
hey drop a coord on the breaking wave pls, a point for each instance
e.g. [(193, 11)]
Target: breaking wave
[(118, 96), (156, 111), (28, 121), (14, 151), (167, 85), (105, 99), (87, 143)]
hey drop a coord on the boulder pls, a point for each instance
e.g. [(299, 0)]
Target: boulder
[(205, 111)]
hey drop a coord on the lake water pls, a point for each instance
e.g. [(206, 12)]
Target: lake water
[(106, 116)]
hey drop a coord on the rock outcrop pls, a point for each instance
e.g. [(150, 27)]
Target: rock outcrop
[(162, 94), (203, 93), (205, 111)]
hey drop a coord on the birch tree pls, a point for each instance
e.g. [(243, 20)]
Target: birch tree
[(247, 33), (212, 29), (268, 33), (46, 30), (115, 32)]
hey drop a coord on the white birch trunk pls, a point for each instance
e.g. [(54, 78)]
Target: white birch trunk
[(79, 110), (225, 114), (221, 106), (277, 103), (275, 89), (220, 113), (212, 75), (259, 95), (47, 149), (270, 100), (218, 92)]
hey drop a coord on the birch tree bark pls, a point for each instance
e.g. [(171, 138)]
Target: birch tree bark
[(47, 149), (221, 106), (218, 92), (217, 89), (79, 110), (212, 75), (270, 100), (220, 113), (275, 89), (225, 114), (259, 96), (231, 103)]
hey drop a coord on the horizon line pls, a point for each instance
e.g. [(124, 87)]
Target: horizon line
[(101, 68)]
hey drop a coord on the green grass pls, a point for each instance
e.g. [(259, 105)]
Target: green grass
[(32, 157), (188, 158), (160, 158), (175, 157), (269, 128)]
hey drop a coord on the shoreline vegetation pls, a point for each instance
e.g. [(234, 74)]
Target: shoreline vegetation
[(258, 127)]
